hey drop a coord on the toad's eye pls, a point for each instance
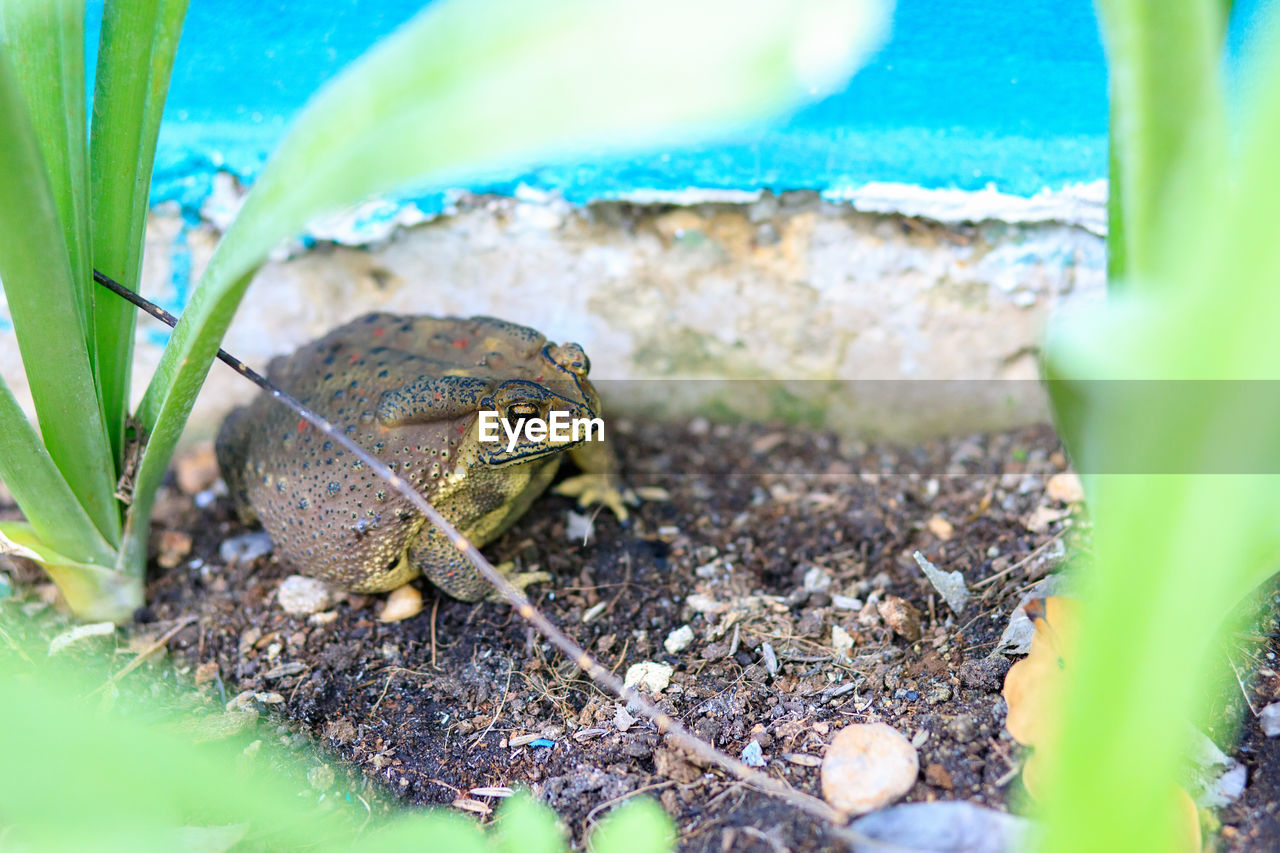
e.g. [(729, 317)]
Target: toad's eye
[(581, 365), (519, 411)]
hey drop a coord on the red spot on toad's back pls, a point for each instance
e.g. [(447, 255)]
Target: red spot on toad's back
[(355, 356), (460, 343), (302, 425), (377, 333)]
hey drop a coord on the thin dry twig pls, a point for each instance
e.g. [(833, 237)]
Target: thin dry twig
[(677, 733), (145, 654), (1027, 559)]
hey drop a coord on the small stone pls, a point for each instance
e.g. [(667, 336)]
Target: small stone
[(941, 528), (868, 766), (678, 640), (700, 603), (1269, 717), (403, 603), (817, 580), (650, 676), (752, 755), (1042, 516), (580, 528), (245, 548), (1065, 488), (950, 585), (942, 825), (902, 616), (302, 596), (623, 720), (841, 640), (937, 775)]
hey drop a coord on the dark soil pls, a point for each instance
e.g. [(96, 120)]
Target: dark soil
[(437, 705), (766, 538)]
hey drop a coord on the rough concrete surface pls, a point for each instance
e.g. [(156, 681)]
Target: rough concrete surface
[(783, 290)]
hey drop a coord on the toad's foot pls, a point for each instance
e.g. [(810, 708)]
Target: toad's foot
[(520, 580), (596, 488)]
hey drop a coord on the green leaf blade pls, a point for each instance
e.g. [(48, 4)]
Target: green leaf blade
[(40, 490), (42, 293), (135, 61), (46, 44), (1168, 132)]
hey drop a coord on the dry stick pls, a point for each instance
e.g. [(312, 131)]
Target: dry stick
[(678, 733)]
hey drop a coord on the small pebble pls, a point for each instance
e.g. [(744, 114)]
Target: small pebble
[(650, 676), (868, 766), (752, 755), (1269, 717), (902, 616), (579, 528), (245, 548), (403, 603), (302, 596), (841, 641), (817, 580), (1065, 488), (678, 640), (943, 825), (941, 528)]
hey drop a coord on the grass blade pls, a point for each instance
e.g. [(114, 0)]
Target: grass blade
[(139, 39), (46, 45), (1175, 551), (42, 494), (465, 86), (42, 295), (1167, 120)]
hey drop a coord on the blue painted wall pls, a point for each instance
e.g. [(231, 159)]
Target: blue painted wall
[(965, 94)]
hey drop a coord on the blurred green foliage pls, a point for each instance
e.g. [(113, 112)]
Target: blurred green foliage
[(1176, 450), (93, 770)]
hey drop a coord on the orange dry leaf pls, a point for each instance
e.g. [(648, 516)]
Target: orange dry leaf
[(1032, 685), (1032, 690)]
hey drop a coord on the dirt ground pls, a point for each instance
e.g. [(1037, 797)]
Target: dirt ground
[(774, 547)]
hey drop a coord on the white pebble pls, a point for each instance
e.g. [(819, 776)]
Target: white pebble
[(245, 548), (1269, 717), (868, 766), (678, 640), (302, 596), (650, 676)]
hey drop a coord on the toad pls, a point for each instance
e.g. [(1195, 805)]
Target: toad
[(411, 390)]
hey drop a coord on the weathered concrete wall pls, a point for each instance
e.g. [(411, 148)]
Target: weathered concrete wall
[(792, 288)]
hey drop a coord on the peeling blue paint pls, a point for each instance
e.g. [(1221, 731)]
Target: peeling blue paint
[(964, 96), (961, 97)]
